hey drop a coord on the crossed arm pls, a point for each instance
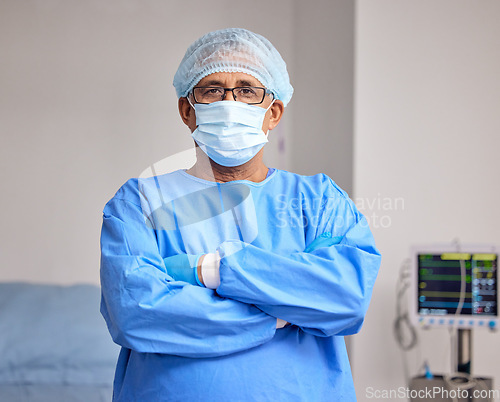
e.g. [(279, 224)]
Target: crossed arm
[(324, 291)]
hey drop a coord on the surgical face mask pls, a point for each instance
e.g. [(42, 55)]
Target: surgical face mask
[(230, 132)]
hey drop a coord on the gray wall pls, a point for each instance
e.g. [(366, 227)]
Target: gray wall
[(324, 82)]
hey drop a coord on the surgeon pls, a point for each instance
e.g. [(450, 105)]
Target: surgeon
[(231, 280)]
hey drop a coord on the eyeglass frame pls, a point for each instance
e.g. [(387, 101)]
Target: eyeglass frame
[(266, 92)]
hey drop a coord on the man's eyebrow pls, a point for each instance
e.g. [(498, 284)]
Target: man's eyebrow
[(213, 83), (245, 83), (239, 83)]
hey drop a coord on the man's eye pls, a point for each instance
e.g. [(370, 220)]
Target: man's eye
[(247, 91), (212, 91)]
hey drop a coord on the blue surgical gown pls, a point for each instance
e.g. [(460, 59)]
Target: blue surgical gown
[(188, 343)]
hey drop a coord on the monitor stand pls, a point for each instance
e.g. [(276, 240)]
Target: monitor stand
[(420, 386), (464, 351)]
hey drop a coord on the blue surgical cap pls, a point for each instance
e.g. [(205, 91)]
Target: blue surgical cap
[(234, 50)]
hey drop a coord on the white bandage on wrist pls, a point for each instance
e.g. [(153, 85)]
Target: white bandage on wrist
[(210, 270)]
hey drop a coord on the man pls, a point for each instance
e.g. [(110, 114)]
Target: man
[(231, 281)]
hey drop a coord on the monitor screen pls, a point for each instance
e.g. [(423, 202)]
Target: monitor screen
[(455, 288)]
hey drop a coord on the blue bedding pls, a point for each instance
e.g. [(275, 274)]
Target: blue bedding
[(54, 345)]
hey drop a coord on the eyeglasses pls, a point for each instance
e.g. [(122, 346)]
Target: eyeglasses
[(249, 95)]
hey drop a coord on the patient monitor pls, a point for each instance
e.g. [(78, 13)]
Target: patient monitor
[(455, 288)]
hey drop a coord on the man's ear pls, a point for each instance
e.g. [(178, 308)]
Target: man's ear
[(187, 113), (276, 110)]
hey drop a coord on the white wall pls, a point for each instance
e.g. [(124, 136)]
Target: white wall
[(87, 102), (427, 131)]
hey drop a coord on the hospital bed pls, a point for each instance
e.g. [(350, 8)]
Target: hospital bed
[(54, 345)]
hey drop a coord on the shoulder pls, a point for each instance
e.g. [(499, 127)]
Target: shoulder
[(128, 192), (319, 184), (320, 190), (135, 190)]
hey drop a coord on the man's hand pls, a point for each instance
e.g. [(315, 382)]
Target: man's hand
[(184, 267), (323, 240)]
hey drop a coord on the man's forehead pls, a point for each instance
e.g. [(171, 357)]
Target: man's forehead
[(226, 79)]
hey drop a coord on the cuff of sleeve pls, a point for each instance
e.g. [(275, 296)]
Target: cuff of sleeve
[(210, 270)]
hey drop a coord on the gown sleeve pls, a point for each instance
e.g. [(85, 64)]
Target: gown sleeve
[(325, 292), (147, 311)]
